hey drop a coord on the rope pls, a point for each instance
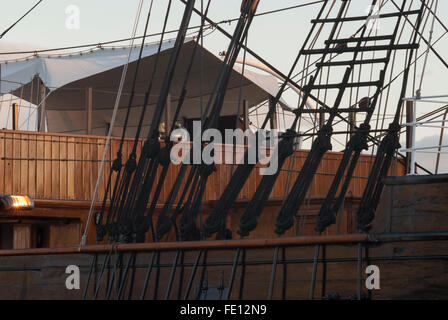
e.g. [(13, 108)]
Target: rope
[(15, 23), (445, 63), (112, 122), (140, 224), (135, 200), (199, 174), (298, 192), (123, 182), (201, 91), (102, 44), (387, 149), (388, 90), (29, 109), (242, 172), (431, 33)]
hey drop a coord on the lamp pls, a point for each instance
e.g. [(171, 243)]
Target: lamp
[(10, 202)]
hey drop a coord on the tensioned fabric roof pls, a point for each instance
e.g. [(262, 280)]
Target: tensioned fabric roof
[(68, 76)]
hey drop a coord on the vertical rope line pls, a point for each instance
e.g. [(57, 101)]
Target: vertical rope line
[(240, 97), (9, 110), (431, 33), (19, 107), (201, 91), (29, 109), (111, 127), (388, 90), (428, 12)]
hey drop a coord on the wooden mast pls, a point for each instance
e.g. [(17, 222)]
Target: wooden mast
[(42, 105), (89, 109)]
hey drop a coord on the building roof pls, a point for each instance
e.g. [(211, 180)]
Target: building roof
[(68, 76)]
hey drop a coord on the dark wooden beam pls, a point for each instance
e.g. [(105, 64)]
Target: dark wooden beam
[(409, 119), (89, 110), (321, 118), (42, 105), (15, 116), (273, 107), (246, 114), (168, 116)]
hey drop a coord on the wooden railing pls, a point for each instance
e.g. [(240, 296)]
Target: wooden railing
[(65, 167)]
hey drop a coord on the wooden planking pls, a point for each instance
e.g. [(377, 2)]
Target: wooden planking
[(87, 169), (55, 167), (40, 174), (78, 172), (63, 194), (71, 195), (102, 185), (65, 235), (32, 173), (2, 161), (22, 236), (24, 174), (113, 153), (106, 173), (48, 167), (106, 169), (75, 179), (16, 178), (94, 165)]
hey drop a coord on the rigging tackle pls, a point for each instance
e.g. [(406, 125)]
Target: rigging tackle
[(199, 174), (119, 223), (385, 153)]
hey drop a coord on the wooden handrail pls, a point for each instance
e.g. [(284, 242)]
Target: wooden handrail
[(244, 243), (196, 245)]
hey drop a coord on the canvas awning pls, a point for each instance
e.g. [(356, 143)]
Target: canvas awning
[(67, 78)]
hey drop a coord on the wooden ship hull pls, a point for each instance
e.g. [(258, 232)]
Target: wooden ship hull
[(407, 241), (312, 230), (59, 172)]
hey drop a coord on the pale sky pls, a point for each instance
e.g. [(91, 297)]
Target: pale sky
[(276, 37)]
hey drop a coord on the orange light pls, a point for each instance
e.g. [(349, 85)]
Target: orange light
[(9, 202), (21, 202)]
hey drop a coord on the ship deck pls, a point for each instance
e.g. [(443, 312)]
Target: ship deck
[(59, 171)]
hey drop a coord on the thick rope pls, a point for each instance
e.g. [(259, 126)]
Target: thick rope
[(112, 123)]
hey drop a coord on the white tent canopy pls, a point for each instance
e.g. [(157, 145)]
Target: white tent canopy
[(67, 78)]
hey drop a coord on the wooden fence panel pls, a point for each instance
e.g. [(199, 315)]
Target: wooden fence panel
[(32, 166), (47, 167), (66, 167), (40, 174), (2, 161)]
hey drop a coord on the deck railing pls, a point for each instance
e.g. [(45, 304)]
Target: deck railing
[(65, 167), (283, 268), (413, 149)]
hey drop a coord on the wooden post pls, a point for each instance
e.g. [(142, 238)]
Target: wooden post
[(107, 128), (42, 102), (15, 116), (246, 114), (23, 237), (409, 119), (273, 107), (352, 122), (321, 118), (168, 117), (89, 109), (442, 131)]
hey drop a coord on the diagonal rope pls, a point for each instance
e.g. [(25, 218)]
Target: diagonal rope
[(102, 44), (431, 33), (15, 23), (112, 123)]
